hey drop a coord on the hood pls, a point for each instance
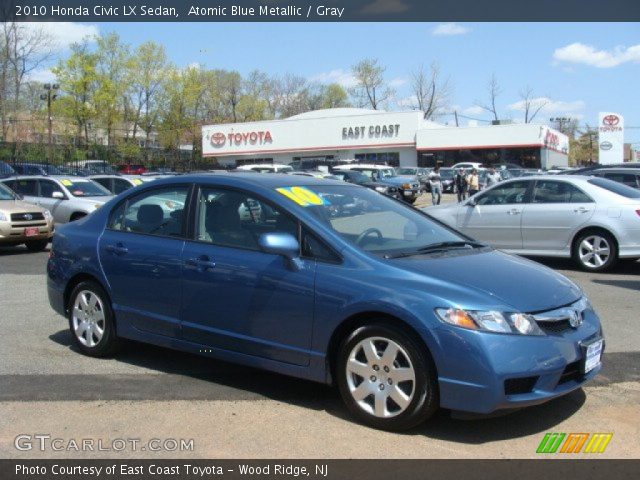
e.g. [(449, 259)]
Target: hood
[(18, 206), (522, 284)]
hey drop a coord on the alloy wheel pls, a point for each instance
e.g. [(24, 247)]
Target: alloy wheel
[(88, 318), (380, 377), (594, 251)]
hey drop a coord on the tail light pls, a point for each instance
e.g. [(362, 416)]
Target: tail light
[(638, 212)]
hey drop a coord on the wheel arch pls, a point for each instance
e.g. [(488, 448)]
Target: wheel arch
[(594, 228), (77, 215), (360, 319), (75, 281)]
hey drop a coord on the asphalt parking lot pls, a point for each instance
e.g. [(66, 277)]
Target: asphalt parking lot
[(145, 392)]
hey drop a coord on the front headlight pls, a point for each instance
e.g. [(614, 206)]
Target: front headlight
[(490, 321), (47, 215), (3, 217)]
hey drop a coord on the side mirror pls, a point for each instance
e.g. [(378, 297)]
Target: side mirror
[(472, 202), (283, 244), (58, 195)]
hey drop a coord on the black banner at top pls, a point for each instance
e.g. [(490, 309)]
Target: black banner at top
[(321, 10)]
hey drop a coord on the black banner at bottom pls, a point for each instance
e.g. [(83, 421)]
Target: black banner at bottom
[(539, 469)]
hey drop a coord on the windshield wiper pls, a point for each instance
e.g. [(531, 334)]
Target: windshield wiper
[(439, 247)]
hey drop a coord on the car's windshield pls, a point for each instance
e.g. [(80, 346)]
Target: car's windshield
[(84, 188), (6, 193), (407, 171), (371, 221), (615, 187), (446, 173)]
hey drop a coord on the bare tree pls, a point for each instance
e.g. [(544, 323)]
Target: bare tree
[(493, 91), (530, 104), (370, 88), (23, 49), (431, 92)]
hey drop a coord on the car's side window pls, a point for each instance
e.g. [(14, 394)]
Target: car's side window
[(154, 212), (507, 194), (120, 185), (314, 248), (553, 191), (232, 218), (626, 178), (47, 187), (105, 182), (26, 187)]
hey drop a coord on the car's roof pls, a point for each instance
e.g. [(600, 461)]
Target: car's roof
[(248, 180)]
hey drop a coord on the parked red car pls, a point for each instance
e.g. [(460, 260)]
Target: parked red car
[(132, 169)]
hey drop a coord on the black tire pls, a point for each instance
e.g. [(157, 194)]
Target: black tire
[(109, 343), (425, 399), (37, 245), (605, 237)]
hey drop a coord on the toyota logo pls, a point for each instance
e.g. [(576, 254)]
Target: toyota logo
[(575, 318), (27, 216), (611, 120), (218, 139)]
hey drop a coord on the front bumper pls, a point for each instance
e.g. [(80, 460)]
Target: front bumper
[(482, 372), (13, 233)]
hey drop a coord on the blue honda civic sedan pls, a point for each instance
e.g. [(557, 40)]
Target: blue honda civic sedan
[(326, 281)]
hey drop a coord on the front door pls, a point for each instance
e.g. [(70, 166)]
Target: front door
[(140, 253), (496, 217), (235, 297)]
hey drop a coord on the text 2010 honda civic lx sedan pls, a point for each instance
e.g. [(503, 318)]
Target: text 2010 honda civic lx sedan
[(401, 312)]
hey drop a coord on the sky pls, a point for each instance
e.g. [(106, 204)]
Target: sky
[(579, 69)]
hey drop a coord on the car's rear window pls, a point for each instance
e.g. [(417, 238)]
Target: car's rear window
[(615, 187)]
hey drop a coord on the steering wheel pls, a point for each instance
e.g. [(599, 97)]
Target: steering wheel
[(366, 233)]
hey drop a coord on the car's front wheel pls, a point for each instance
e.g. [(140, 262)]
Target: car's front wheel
[(91, 320), (386, 379), (595, 251)]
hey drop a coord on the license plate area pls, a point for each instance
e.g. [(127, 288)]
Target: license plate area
[(591, 355), (31, 231)]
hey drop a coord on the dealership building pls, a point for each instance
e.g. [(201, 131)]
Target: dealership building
[(339, 135)]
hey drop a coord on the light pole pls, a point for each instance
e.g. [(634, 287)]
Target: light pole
[(49, 96)]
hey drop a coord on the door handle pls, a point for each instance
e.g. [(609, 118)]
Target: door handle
[(581, 210), (118, 249), (514, 211), (202, 263)]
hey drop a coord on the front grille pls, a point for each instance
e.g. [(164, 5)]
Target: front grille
[(28, 224), (571, 372), (26, 216), (518, 386), (555, 328)]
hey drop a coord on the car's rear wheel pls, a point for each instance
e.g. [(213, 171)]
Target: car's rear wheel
[(385, 378), (595, 251), (37, 245), (91, 320)]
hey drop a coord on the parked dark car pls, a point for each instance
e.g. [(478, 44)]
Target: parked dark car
[(6, 170), (626, 176), (36, 169), (591, 168), (359, 178)]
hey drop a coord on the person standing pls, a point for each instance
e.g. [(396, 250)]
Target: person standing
[(460, 181), (474, 182), (493, 177), (435, 182)]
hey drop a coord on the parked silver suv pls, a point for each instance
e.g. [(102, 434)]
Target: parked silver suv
[(67, 198)]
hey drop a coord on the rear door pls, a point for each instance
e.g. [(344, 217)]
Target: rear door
[(557, 209), (497, 215), (140, 253)]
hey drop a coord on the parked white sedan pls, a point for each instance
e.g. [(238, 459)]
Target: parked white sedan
[(592, 220)]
